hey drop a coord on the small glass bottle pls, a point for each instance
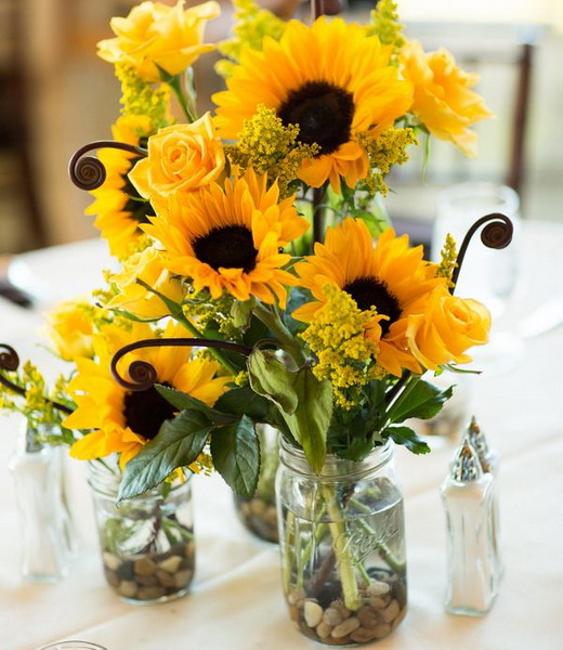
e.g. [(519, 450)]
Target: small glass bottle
[(490, 463), (45, 521), (467, 496)]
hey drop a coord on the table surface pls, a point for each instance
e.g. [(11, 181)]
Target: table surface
[(236, 600)]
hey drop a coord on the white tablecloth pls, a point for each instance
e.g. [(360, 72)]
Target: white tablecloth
[(236, 601)]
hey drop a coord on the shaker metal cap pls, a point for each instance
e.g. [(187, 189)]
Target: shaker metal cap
[(466, 466), (478, 441)]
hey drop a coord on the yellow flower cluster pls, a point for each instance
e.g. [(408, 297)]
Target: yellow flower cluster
[(385, 24), (201, 310), (448, 262), (269, 147), (35, 405), (252, 24), (337, 336), (139, 97), (385, 151)]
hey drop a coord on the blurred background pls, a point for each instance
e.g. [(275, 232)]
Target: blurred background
[(56, 95)]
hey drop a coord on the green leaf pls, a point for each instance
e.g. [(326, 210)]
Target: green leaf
[(420, 399), (270, 378), (304, 402), (183, 401), (407, 437), (235, 450), (244, 401), (178, 443), (310, 421)]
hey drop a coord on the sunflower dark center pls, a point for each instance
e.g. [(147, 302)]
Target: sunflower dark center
[(368, 293), (230, 247), (138, 207), (146, 410), (323, 113)]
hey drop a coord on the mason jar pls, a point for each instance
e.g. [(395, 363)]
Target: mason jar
[(342, 542), (147, 542), (258, 514)]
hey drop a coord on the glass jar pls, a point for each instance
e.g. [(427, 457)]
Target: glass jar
[(147, 542), (259, 514), (342, 546)]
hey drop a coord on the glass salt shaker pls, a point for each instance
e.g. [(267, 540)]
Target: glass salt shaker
[(490, 463), (45, 521), (467, 496)]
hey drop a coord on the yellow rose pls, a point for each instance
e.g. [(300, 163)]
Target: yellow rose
[(154, 34), (443, 99), (70, 330), (181, 157), (446, 328), (133, 297)]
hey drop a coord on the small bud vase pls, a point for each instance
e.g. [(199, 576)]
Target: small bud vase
[(147, 542)]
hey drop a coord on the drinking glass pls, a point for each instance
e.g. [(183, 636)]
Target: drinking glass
[(488, 275)]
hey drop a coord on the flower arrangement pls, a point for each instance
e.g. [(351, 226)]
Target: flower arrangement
[(260, 280)]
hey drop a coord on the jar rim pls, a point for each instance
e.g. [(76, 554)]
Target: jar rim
[(106, 482), (335, 467)]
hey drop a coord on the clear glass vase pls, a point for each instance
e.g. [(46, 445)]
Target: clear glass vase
[(47, 533), (342, 546), (259, 514), (147, 543)]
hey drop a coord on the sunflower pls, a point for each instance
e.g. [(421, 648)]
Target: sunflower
[(229, 239), (124, 421), (332, 80), (118, 207), (387, 278)]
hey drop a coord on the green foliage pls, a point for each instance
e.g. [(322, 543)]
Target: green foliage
[(37, 403), (182, 401), (244, 401), (235, 450), (407, 437), (252, 24), (304, 402), (386, 26), (139, 97), (115, 533), (178, 443), (419, 399), (272, 379)]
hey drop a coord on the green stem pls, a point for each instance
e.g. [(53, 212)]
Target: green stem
[(169, 525), (342, 551), (319, 531), (274, 323), (288, 556), (177, 314), (385, 553), (176, 84), (218, 354), (318, 213)]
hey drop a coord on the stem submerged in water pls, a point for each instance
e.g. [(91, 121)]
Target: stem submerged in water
[(345, 561)]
